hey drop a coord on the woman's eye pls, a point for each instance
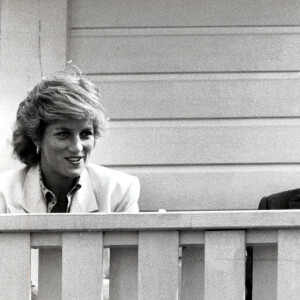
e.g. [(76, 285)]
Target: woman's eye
[(63, 134), (86, 134)]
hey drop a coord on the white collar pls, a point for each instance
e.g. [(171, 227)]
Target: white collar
[(84, 200)]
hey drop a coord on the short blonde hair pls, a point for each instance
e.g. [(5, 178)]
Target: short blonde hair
[(61, 96)]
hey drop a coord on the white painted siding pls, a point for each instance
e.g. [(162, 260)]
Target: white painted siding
[(203, 96)]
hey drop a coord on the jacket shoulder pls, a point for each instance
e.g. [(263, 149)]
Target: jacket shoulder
[(12, 177), (281, 200), (120, 189), (11, 188), (109, 175)]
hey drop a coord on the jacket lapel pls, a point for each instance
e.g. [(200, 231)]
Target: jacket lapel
[(33, 201), (84, 200)]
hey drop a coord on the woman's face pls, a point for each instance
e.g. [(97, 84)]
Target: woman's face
[(66, 147)]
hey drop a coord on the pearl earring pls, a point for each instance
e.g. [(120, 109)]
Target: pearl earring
[(37, 149)]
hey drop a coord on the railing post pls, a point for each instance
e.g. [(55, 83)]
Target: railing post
[(224, 265), (14, 266), (158, 265), (82, 266), (288, 287)]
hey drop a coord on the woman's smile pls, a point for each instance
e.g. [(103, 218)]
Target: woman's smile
[(75, 160)]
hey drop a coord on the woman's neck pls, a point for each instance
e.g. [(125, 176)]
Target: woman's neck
[(59, 185)]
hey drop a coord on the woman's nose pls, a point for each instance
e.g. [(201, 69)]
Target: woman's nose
[(76, 145)]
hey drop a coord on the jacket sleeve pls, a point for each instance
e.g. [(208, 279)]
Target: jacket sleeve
[(130, 201), (263, 204)]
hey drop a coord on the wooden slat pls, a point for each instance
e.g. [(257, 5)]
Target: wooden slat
[(194, 187), (200, 95), (95, 13), (82, 266), (200, 142), (288, 265), (178, 50), (158, 265), (224, 265), (14, 266), (192, 286), (264, 272), (50, 274), (123, 274)]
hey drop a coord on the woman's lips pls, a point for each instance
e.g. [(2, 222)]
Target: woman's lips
[(74, 160)]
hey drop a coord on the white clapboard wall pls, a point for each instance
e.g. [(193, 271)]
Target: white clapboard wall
[(203, 96)]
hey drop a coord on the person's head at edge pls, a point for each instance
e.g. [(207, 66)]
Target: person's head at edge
[(57, 126)]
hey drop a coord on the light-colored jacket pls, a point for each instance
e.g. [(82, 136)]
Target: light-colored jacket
[(102, 190)]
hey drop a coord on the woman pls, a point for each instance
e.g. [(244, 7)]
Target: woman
[(56, 130)]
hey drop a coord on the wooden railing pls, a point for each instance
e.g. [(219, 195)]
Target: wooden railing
[(180, 255)]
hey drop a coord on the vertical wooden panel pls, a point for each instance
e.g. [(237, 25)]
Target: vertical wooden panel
[(33, 43), (264, 272), (158, 265), (53, 35), (19, 66), (50, 274), (192, 273), (288, 265), (123, 274), (82, 272), (14, 266), (224, 265)]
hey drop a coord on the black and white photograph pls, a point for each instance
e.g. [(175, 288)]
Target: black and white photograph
[(150, 149)]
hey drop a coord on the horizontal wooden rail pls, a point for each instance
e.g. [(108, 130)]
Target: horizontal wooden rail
[(172, 255), (205, 220), (131, 238)]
